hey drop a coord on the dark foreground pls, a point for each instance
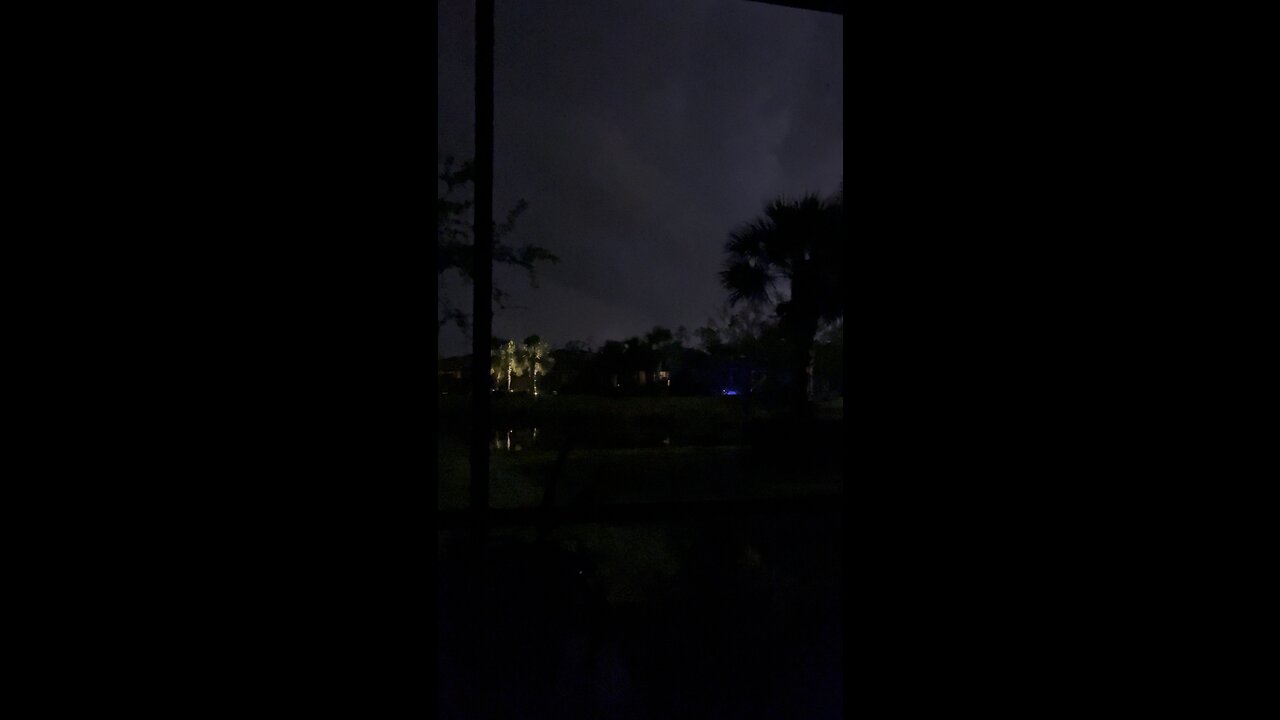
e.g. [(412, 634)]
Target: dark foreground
[(729, 619), (637, 614)]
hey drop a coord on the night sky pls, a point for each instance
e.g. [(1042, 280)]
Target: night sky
[(641, 133)]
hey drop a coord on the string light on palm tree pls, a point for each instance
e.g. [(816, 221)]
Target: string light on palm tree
[(538, 356), (498, 363), (516, 361), (507, 360)]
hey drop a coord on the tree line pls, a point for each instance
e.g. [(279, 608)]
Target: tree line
[(780, 335), (741, 351)]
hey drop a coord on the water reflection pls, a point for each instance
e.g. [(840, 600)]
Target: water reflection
[(534, 439), (515, 440)]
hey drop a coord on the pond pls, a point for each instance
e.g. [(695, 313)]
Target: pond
[(516, 440), (522, 439)]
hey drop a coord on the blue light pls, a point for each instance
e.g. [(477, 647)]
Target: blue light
[(729, 392)]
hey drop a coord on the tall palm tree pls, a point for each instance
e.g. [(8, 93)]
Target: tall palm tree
[(508, 361), (498, 362), (800, 241), (537, 353), (517, 362)]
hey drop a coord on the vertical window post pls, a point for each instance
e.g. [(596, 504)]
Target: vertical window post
[(481, 408)]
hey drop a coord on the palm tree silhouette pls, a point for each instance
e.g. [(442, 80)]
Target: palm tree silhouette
[(801, 241)]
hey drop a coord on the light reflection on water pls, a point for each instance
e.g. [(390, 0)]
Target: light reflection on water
[(513, 440), (521, 439)]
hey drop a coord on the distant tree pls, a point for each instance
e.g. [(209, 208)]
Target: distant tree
[(733, 326), (611, 363), (658, 337), (573, 364), (660, 350), (709, 339), (454, 244), (741, 344), (802, 242), (496, 360), (665, 349), (682, 335), (508, 361), (537, 353)]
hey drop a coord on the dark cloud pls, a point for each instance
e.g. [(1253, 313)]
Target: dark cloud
[(641, 134)]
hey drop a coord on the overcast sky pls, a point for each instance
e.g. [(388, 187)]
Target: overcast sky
[(641, 133)]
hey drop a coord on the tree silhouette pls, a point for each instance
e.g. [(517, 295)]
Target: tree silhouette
[(800, 241), (454, 246), (497, 360)]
